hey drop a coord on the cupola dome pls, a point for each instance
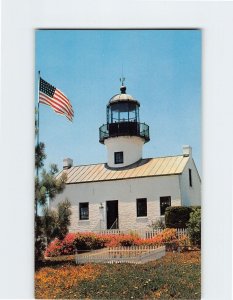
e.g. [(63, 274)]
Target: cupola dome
[(123, 97)]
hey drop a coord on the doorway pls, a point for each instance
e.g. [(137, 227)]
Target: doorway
[(112, 214)]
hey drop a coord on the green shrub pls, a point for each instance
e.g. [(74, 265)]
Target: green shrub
[(177, 216), (196, 206), (194, 227)]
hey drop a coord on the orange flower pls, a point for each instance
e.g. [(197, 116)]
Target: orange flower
[(51, 282)]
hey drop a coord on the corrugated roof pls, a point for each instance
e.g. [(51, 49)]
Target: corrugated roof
[(159, 166)]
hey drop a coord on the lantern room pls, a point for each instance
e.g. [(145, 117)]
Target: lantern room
[(123, 118), (123, 134), (122, 108)]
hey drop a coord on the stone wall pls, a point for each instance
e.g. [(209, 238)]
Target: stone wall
[(126, 192)]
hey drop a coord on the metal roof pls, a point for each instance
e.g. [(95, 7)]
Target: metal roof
[(160, 166), (123, 98)]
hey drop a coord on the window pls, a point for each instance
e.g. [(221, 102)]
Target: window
[(84, 211), (142, 207), (164, 203), (118, 156), (190, 178)]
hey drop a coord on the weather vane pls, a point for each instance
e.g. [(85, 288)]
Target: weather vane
[(122, 80)]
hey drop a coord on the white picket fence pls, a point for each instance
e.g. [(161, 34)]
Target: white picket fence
[(144, 234), (133, 254)]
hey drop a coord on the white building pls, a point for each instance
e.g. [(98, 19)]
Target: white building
[(128, 192)]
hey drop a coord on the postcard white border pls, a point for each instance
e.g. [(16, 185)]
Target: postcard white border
[(19, 18)]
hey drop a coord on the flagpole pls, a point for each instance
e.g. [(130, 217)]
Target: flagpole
[(38, 111), (38, 129)]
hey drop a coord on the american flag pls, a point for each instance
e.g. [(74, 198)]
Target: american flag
[(53, 97)]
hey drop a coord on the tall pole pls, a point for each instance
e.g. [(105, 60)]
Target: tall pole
[(38, 112), (37, 130)]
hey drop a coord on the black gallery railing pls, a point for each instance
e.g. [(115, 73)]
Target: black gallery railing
[(123, 129)]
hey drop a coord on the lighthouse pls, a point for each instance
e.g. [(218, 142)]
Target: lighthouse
[(127, 191), (123, 134)]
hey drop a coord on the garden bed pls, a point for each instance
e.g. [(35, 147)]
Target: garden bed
[(174, 276), (90, 241)]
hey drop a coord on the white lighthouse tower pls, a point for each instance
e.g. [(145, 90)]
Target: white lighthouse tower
[(123, 135)]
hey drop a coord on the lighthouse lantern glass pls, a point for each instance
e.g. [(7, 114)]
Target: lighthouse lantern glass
[(123, 112)]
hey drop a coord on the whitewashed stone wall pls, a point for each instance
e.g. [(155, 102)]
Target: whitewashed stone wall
[(131, 146), (190, 195), (126, 192)]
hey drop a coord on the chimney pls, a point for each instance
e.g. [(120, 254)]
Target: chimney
[(187, 151), (67, 163)]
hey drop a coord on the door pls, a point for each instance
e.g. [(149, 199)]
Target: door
[(112, 214)]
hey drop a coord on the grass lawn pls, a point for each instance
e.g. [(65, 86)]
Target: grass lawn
[(175, 276)]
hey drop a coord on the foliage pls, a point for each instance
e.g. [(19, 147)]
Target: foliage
[(194, 227), (52, 224), (40, 243), (40, 155), (184, 243), (49, 222), (64, 213), (55, 223), (47, 185), (51, 281), (75, 241), (177, 216), (159, 224), (49, 226), (126, 240), (195, 206), (175, 276), (167, 235), (92, 241), (89, 241)]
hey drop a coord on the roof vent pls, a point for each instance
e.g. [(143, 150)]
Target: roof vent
[(67, 163), (187, 151)]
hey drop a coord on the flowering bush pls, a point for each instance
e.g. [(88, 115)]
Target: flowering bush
[(73, 241), (54, 248), (184, 242), (167, 235), (125, 240), (89, 240), (92, 241), (67, 244)]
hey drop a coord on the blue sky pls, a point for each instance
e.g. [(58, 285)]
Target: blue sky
[(162, 70)]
